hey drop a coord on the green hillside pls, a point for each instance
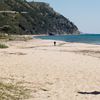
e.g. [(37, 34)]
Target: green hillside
[(22, 17)]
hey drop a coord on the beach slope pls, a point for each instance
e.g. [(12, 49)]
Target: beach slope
[(67, 71)]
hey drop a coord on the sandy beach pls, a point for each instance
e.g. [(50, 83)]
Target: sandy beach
[(67, 71)]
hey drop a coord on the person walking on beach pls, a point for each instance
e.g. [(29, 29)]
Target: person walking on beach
[(54, 43)]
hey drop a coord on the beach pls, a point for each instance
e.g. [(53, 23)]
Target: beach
[(67, 71)]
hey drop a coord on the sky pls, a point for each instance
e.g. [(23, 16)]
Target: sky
[(85, 14)]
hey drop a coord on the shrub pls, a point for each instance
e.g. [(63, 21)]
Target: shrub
[(3, 46)]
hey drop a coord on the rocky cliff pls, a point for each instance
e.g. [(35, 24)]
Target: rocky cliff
[(22, 17)]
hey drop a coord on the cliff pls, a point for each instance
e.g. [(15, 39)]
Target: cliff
[(22, 17)]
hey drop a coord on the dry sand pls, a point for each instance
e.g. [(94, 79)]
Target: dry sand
[(68, 71)]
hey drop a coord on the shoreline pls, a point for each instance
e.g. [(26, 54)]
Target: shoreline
[(84, 42)]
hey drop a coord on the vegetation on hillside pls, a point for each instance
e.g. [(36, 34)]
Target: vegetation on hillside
[(22, 17)]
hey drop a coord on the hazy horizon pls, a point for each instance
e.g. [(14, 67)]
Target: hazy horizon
[(84, 14)]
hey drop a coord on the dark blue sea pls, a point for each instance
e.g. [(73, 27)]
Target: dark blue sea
[(82, 38)]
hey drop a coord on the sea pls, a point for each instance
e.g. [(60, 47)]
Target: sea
[(82, 38)]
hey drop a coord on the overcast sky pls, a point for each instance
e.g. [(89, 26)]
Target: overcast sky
[(84, 13)]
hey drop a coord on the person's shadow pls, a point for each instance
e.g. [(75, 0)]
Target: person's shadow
[(91, 93)]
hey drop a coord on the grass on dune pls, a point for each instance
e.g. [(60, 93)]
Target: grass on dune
[(7, 37), (10, 91)]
